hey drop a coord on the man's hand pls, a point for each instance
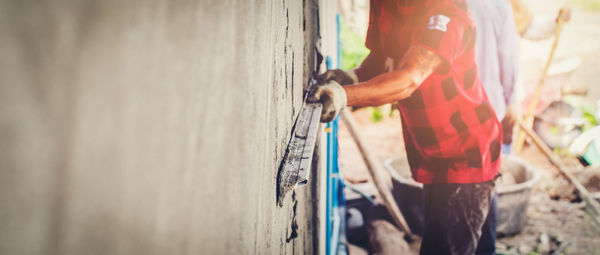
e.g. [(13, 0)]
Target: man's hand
[(340, 76), (333, 98), (513, 114), (565, 14)]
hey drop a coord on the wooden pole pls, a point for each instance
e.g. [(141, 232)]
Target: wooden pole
[(585, 195), (528, 118), (377, 174)]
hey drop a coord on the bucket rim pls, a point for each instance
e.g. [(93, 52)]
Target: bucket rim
[(536, 176)]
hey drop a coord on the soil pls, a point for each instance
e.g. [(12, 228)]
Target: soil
[(590, 178), (384, 141)]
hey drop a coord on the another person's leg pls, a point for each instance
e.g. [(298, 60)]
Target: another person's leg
[(435, 203), (454, 216), (487, 242)]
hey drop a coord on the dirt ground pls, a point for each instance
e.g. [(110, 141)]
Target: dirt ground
[(557, 222)]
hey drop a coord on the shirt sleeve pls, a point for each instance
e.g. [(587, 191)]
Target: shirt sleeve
[(373, 31), (508, 57), (372, 65), (445, 35)]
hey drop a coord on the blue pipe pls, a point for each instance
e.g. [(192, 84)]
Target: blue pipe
[(336, 201), (331, 160)]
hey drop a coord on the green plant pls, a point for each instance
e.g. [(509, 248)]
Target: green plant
[(591, 119), (376, 115), (588, 112), (354, 52), (353, 47), (590, 5)]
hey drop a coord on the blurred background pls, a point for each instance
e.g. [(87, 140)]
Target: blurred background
[(569, 106)]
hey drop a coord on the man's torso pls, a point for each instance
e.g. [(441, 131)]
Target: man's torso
[(451, 133)]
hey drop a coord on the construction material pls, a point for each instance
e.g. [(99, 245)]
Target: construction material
[(590, 179), (296, 164), (356, 250), (559, 124), (591, 204), (377, 174), (528, 118), (385, 238)]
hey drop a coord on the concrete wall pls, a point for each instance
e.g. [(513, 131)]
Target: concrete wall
[(152, 127)]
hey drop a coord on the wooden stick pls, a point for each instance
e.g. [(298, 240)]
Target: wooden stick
[(376, 172), (528, 118), (585, 195)]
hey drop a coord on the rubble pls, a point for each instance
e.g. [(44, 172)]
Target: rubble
[(590, 179)]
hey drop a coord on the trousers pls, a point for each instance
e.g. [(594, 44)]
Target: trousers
[(456, 218)]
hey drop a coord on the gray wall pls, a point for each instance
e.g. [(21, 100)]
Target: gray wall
[(152, 127)]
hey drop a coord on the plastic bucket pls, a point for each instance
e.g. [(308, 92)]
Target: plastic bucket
[(513, 199)]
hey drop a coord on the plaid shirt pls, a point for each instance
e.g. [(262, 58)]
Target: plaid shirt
[(450, 131)]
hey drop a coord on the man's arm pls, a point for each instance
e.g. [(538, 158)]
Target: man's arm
[(508, 56), (416, 65), (535, 27), (540, 28), (521, 14)]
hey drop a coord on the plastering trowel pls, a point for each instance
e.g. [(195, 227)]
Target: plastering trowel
[(295, 167)]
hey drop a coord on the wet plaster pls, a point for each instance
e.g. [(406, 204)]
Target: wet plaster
[(152, 127)]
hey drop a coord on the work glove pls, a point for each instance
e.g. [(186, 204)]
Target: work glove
[(333, 98), (340, 76)]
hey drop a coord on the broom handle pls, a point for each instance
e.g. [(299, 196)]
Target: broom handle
[(528, 118)]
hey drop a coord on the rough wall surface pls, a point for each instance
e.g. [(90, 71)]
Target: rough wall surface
[(152, 127)]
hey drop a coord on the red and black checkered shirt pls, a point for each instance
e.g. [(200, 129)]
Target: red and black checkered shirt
[(451, 133)]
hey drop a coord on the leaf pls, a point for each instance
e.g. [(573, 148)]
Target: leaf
[(376, 115), (353, 47)]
